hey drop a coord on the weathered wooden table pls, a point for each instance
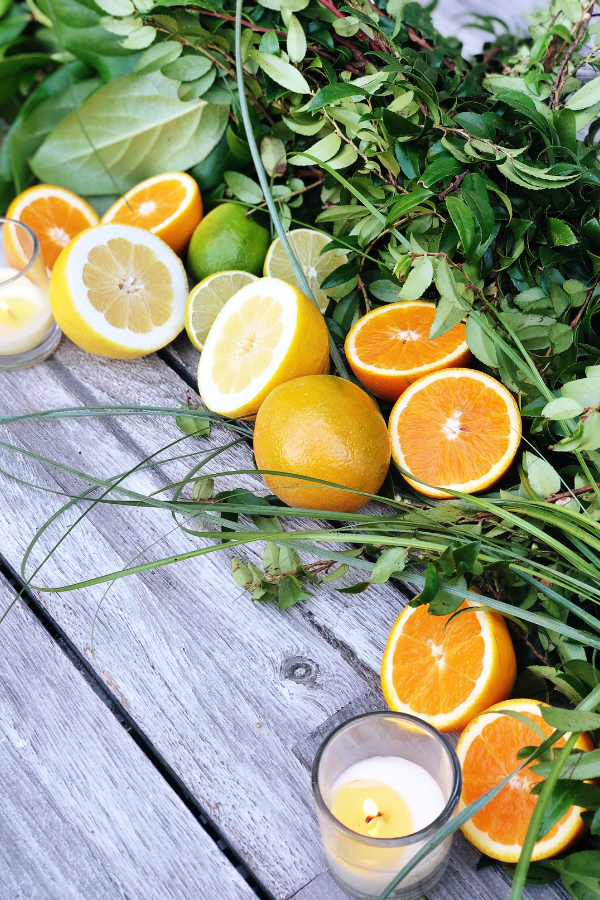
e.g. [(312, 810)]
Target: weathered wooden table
[(173, 763)]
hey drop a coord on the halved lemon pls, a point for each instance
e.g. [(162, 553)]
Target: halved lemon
[(307, 245), (447, 669), (119, 291), (55, 214), (487, 751), (168, 205), (268, 333), (207, 300)]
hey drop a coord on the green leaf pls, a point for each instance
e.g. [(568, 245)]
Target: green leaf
[(389, 563), (444, 167), (272, 153), (419, 279), (400, 127), (585, 391), (152, 118), (158, 56), (325, 149), (281, 72), (336, 573), (580, 874), (331, 93), (550, 673), (187, 68), (407, 203), (296, 40), (570, 719), (586, 96), (563, 796), (562, 408), (580, 766), (464, 222), (559, 233), (446, 284), (140, 39), (447, 315), (193, 425), (241, 573), (431, 586), (475, 124), (357, 588), (480, 345), (271, 559), (542, 477), (117, 7), (384, 290)]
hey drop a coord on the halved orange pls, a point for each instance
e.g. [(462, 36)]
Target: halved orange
[(487, 751), (457, 429), (168, 205), (55, 214), (389, 348), (447, 670)]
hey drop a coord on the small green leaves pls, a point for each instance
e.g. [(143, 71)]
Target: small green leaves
[(243, 187), (570, 719), (193, 425), (389, 563), (464, 223), (296, 40), (542, 477), (586, 96), (281, 72), (562, 408), (559, 234), (419, 279)]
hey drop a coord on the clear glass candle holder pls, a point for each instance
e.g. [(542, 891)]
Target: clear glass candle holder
[(28, 332), (363, 866)]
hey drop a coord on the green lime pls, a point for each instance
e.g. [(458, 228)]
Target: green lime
[(226, 240)]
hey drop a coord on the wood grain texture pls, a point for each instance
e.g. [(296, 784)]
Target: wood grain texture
[(84, 813), (228, 692)]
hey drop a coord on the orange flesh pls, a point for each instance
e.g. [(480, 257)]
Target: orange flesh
[(55, 223), (151, 205), (454, 430), (397, 339), (436, 667), (490, 758)]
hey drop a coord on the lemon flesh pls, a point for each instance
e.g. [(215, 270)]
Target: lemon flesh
[(266, 334), (118, 291), (307, 245), (207, 300)]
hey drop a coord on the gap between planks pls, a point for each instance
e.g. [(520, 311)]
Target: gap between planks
[(100, 689)]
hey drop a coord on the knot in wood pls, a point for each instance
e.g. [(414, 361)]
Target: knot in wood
[(300, 670)]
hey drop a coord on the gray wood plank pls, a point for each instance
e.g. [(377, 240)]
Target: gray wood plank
[(84, 813), (212, 682)]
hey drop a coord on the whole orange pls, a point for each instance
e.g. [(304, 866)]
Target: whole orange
[(323, 427)]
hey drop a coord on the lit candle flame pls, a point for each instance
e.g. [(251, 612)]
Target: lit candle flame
[(3, 306), (370, 807)]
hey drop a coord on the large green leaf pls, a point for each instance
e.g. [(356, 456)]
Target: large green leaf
[(135, 127), (31, 132)]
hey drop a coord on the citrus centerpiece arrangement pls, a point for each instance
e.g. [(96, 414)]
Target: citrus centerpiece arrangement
[(401, 317)]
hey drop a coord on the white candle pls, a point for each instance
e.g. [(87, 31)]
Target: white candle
[(381, 797), (25, 314)]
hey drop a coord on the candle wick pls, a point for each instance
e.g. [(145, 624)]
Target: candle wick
[(6, 308), (369, 819)]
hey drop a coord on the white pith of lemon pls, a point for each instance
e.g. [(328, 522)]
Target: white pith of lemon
[(267, 333), (119, 291), (307, 245), (207, 300)]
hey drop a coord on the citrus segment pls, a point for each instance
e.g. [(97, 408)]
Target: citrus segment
[(266, 334), (446, 670), (389, 348), (487, 751), (457, 429), (55, 214), (322, 427), (307, 245), (168, 205), (207, 300), (119, 291)]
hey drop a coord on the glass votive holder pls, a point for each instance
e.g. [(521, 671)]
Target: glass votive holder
[(413, 764), (28, 332)]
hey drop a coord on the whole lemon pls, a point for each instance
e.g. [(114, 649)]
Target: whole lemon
[(323, 427), (226, 240)]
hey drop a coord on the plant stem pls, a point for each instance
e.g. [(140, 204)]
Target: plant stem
[(264, 183)]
